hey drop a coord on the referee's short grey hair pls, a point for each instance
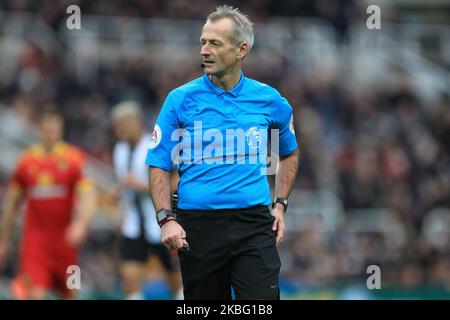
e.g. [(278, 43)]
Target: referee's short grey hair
[(243, 27)]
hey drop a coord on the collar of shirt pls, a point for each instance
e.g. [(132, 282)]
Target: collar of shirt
[(219, 91), (58, 149)]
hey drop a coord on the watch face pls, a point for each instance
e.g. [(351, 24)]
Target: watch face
[(163, 214), (282, 201)]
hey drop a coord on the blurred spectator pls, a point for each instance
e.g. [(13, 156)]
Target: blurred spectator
[(140, 245)]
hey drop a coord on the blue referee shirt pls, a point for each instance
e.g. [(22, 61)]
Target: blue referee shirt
[(219, 140)]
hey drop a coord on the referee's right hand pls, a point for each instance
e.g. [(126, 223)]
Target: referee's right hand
[(173, 235)]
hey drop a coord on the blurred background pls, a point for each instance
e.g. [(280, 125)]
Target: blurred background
[(371, 107)]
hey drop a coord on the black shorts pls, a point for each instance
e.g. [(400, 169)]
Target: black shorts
[(140, 250), (230, 249)]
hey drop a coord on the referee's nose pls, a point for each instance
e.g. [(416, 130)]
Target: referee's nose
[(204, 51)]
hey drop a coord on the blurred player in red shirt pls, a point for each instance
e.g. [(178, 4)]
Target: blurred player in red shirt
[(60, 202)]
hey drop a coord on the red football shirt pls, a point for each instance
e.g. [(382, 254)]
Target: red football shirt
[(48, 182)]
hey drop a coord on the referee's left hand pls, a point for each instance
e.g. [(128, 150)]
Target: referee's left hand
[(278, 223)]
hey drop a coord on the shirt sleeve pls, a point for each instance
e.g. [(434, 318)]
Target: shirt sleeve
[(161, 150), (283, 120), (82, 182)]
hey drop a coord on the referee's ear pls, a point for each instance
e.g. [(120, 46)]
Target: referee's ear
[(243, 50)]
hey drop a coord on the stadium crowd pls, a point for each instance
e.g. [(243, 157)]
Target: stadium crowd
[(383, 147)]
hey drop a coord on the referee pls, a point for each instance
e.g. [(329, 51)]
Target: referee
[(223, 224)]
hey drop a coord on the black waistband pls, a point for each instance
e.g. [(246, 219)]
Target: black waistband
[(224, 211)]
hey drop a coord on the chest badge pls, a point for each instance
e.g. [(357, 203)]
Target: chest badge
[(253, 138)]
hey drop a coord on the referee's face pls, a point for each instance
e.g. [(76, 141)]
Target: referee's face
[(219, 54)]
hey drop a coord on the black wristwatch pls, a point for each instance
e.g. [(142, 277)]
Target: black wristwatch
[(163, 216), (282, 201)]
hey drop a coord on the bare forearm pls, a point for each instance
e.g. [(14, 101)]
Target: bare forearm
[(87, 206), (285, 177), (9, 210), (174, 179), (159, 183)]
